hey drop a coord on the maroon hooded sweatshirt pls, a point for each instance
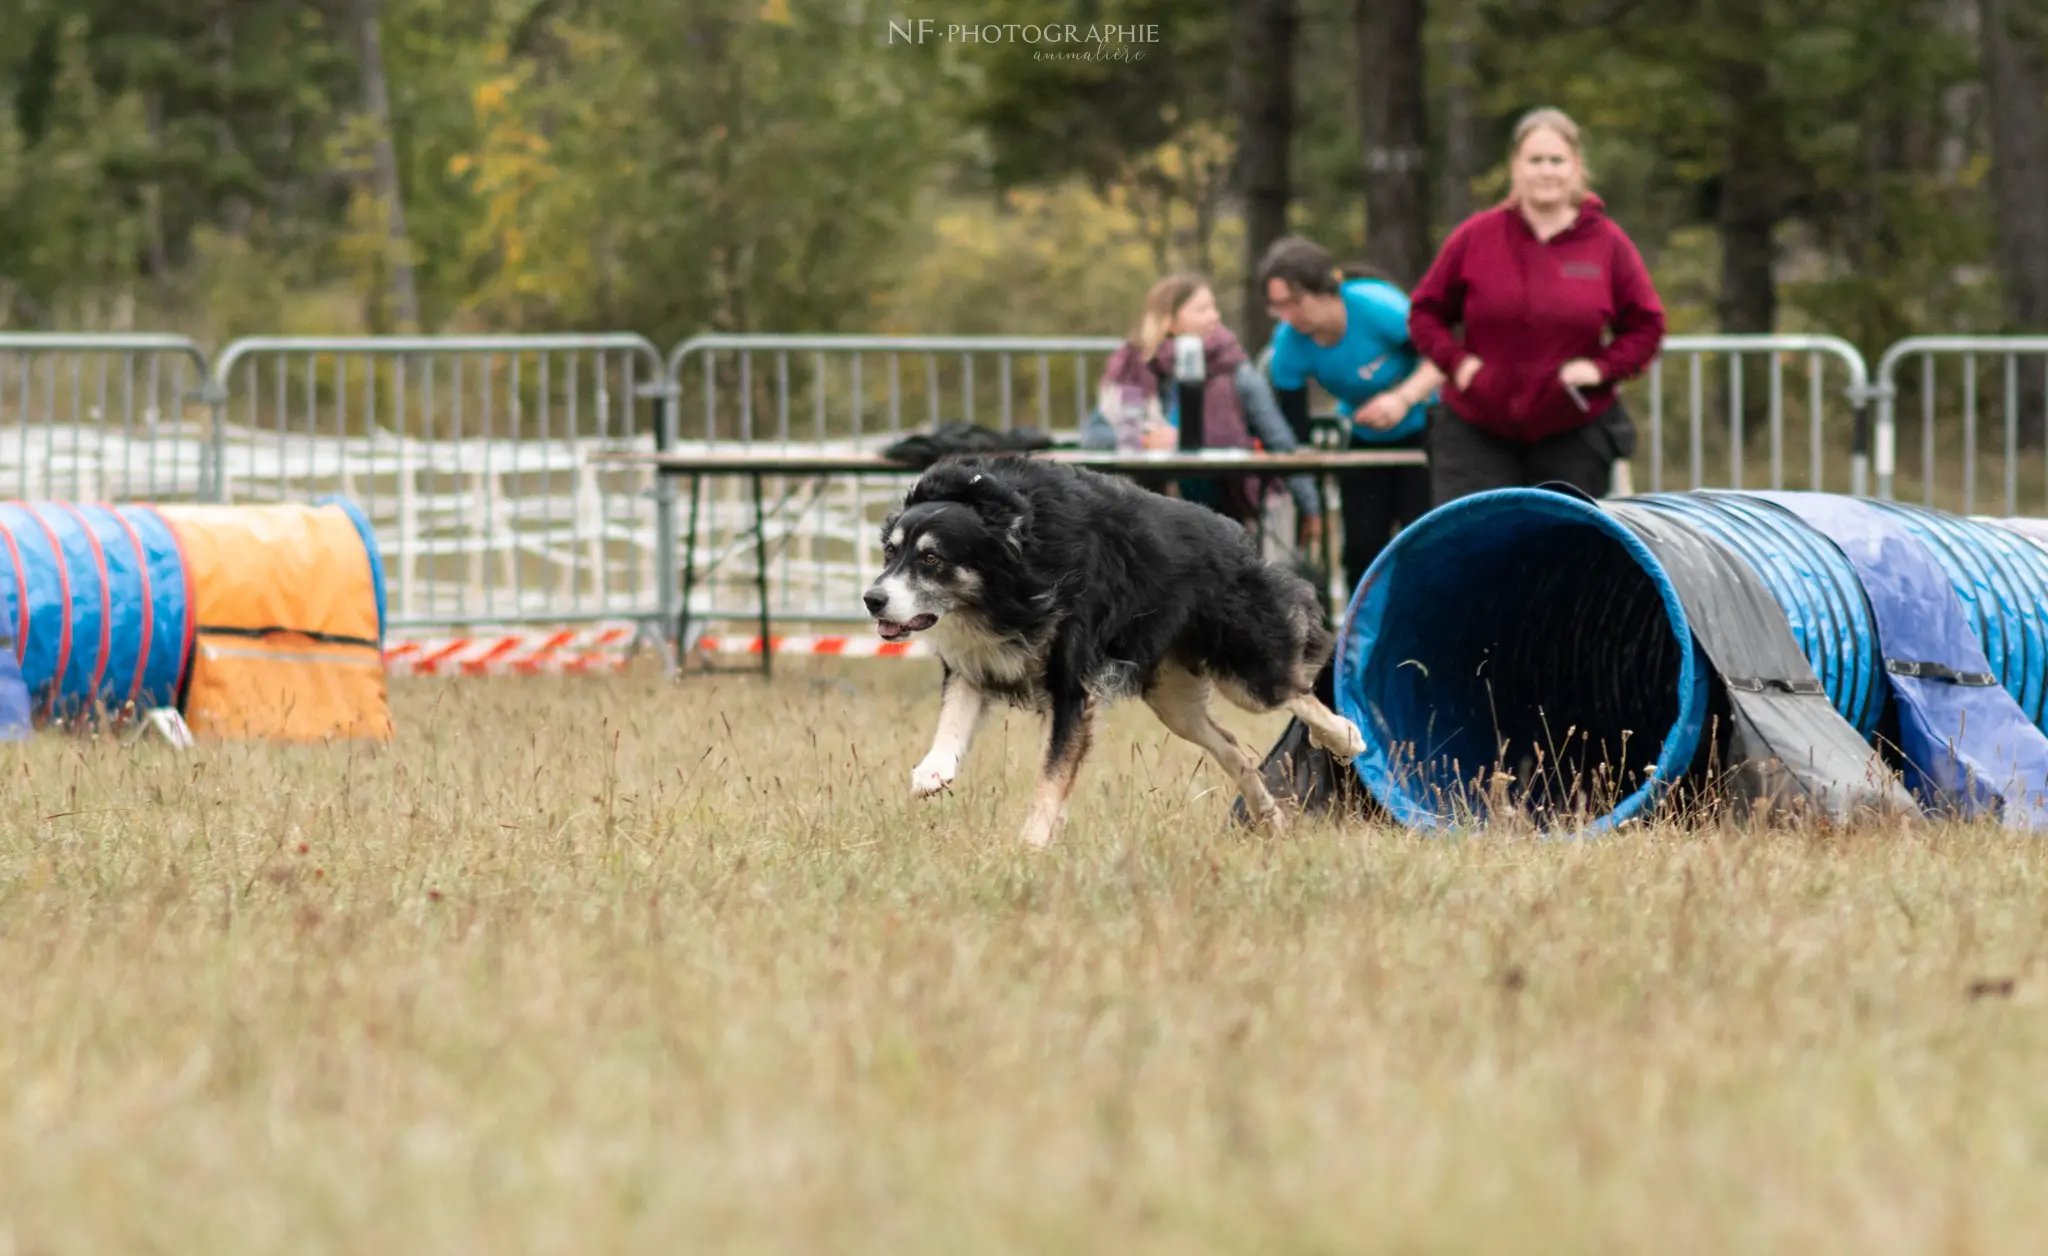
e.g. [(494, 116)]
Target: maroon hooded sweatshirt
[(1529, 306)]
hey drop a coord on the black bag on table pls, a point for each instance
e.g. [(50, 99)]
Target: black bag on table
[(925, 448)]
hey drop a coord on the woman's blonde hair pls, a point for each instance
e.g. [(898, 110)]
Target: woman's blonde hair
[(1567, 130), (1161, 304)]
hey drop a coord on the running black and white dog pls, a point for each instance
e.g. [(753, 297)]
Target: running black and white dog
[(1061, 590)]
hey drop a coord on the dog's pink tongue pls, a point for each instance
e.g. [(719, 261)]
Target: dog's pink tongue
[(888, 629)]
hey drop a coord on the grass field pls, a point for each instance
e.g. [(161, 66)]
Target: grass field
[(610, 965)]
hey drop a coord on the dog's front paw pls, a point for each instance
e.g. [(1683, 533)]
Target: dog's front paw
[(932, 775), (1349, 746)]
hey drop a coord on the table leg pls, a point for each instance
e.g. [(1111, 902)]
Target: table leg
[(1329, 537), (1330, 553), (689, 577), (761, 578)]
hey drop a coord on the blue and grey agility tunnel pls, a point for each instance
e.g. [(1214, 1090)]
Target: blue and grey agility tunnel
[(1583, 660)]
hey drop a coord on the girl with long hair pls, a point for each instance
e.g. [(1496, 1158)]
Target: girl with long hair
[(1137, 396)]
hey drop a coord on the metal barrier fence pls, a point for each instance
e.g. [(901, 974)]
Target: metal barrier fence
[(1829, 400), (859, 392), (470, 452), (95, 417), (1951, 475)]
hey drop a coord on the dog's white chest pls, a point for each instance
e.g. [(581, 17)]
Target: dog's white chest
[(982, 656)]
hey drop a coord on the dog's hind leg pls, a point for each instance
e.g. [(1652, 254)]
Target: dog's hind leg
[(1095, 717), (960, 708), (1072, 731), (1181, 701), (1326, 728)]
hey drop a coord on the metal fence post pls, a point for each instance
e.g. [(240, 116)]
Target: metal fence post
[(1884, 433), (214, 392), (1860, 394)]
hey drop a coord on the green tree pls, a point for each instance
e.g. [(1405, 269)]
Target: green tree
[(69, 231), (742, 169), (1091, 108)]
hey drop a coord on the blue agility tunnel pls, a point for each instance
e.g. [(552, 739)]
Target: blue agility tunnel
[(101, 619), (15, 720), (1812, 582), (169, 627), (1580, 660)]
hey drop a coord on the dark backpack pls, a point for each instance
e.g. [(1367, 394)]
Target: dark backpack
[(925, 448)]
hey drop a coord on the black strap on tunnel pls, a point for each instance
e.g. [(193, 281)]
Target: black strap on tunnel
[(1938, 671), (1774, 684), (1569, 489), (324, 638)]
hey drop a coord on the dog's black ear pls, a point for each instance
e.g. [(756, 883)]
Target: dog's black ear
[(967, 481), (1007, 511), (947, 481)]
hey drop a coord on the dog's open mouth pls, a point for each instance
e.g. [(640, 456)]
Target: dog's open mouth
[(891, 630)]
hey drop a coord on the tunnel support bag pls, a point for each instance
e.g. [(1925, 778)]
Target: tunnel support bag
[(286, 602)]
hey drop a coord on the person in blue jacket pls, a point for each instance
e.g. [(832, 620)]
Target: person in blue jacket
[(1349, 334)]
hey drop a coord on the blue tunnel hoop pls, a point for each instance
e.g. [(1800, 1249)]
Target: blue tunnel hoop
[(1415, 645)]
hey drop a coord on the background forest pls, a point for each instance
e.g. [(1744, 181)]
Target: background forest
[(220, 167)]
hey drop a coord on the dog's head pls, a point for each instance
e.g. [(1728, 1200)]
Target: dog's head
[(958, 528)]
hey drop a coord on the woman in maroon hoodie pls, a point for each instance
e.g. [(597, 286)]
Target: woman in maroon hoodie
[(1537, 282)]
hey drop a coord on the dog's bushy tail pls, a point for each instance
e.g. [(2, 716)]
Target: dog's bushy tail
[(1318, 641)]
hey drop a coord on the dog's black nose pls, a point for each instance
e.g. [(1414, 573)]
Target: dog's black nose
[(875, 601)]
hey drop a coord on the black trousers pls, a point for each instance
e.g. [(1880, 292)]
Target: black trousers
[(1464, 460), (1378, 502)]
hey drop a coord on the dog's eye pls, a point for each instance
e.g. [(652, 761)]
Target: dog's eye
[(930, 559)]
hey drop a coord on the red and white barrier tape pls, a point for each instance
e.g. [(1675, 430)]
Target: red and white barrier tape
[(869, 647), (519, 654), (603, 649)]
